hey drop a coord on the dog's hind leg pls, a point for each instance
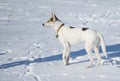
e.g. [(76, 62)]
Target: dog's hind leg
[(98, 55), (89, 52), (66, 53)]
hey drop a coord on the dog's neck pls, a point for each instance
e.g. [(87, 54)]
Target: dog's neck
[(57, 26)]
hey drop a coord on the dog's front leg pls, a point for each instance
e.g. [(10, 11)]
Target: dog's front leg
[(66, 53)]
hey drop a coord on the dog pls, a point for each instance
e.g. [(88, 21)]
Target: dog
[(69, 36)]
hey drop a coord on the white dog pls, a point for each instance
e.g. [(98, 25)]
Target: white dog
[(70, 35)]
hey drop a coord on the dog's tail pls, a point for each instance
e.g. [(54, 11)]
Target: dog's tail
[(102, 44)]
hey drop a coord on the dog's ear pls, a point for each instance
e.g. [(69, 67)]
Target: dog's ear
[(54, 16)]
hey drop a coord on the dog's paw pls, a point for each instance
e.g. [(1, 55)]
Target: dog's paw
[(66, 64), (89, 66)]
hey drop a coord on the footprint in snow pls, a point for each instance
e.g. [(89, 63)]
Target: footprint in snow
[(29, 69), (5, 51)]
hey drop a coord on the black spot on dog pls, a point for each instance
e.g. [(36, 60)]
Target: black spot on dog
[(84, 29), (72, 27)]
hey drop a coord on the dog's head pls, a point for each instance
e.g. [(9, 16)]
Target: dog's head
[(51, 21)]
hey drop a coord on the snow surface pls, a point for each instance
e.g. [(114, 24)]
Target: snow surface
[(30, 52)]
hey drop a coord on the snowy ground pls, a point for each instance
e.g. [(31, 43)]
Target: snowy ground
[(30, 52)]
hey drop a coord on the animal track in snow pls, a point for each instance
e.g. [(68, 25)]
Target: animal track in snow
[(30, 74), (2, 52)]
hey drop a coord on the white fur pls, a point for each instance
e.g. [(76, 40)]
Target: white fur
[(70, 36)]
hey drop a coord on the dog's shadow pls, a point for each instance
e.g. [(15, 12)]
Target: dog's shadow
[(112, 50)]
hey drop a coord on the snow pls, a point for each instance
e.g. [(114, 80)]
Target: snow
[(30, 52)]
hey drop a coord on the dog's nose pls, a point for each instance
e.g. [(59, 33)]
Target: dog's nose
[(43, 24)]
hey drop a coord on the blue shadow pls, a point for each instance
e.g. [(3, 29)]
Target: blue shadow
[(114, 49)]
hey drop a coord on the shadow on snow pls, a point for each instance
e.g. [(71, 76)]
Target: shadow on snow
[(113, 49)]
